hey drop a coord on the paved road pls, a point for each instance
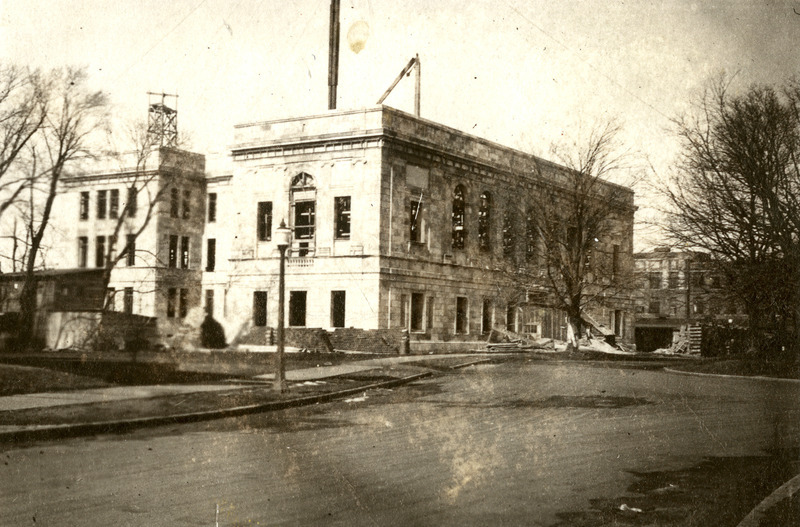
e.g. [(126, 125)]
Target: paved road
[(494, 444)]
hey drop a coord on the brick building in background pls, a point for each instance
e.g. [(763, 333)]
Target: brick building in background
[(679, 296)]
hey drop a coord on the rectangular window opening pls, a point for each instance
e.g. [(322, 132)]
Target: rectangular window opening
[(264, 221), (212, 207), (100, 251), (211, 254), (187, 203), (297, 308), (210, 302), (342, 217), (184, 252), (84, 208), (102, 200), (174, 202), (462, 320), (415, 221), (131, 205), (184, 304), (113, 209), (173, 251), (486, 316), (417, 311), (172, 298), (130, 250), (259, 308), (338, 299), (83, 251), (127, 301)]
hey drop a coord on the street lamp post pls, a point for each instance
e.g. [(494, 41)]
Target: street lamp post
[(283, 235)]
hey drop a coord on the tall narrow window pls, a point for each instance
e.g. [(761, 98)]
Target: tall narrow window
[(429, 314), (113, 207), (212, 207), (264, 221), (184, 304), (100, 251), (417, 311), (174, 202), (655, 280), (259, 308), (508, 234), (187, 204), (341, 207), (211, 254), (172, 299), (297, 308), (485, 222), (111, 300), (210, 302), (531, 238), (415, 220), (511, 317), (84, 210), (184, 252), (615, 263), (127, 301), (303, 199), (173, 251), (459, 214), (131, 205), (338, 308), (83, 251), (130, 250), (404, 311), (486, 316), (462, 317), (102, 203), (304, 215)]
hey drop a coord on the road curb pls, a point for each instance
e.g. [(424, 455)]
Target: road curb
[(123, 426), (787, 490), (726, 376)]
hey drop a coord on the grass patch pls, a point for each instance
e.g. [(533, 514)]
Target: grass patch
[(15, 380)]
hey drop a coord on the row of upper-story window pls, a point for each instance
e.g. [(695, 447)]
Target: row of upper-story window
[(107, 204), (676, 280), (178, 255)]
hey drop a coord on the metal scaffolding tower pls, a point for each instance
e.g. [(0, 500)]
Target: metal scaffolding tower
[(162, 121)]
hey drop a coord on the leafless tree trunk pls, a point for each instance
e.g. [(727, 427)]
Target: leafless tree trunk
[(573, 214), (73, 114)]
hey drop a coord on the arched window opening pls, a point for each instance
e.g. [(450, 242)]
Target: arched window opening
[(459, 210), (485, 222), (508, 234), (531, 238)]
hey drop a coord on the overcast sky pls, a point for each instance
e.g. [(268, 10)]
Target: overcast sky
[(521, 73)]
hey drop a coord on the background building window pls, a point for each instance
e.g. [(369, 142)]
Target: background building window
[(462, 320), (184, 252), (417, 311), (459, 214), (131, 205), (511, 318), (84, 208), (297, 308), (304, 216), (184, 305), (172, 298), (173, 251), (83, 251), (341, 207), (100, 252), (674, 280), (338, 299), (130, 250), (264, 221), (113, 208), (485, 222), (531, 238), (615, 262), (210, 302), (508, 234), (212, 207), (654, 307), (102, 200), (127, 301), (174, 202), (211, 254), (187, 204), (486, 316), (655, 280), (415, 220), (259, 308)]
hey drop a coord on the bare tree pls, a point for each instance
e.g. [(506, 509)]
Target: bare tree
[(23, 108), (735, 195), (73, 114), (572, 219)]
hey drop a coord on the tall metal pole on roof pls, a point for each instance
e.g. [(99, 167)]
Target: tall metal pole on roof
[(417, 68), (333, 55)]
